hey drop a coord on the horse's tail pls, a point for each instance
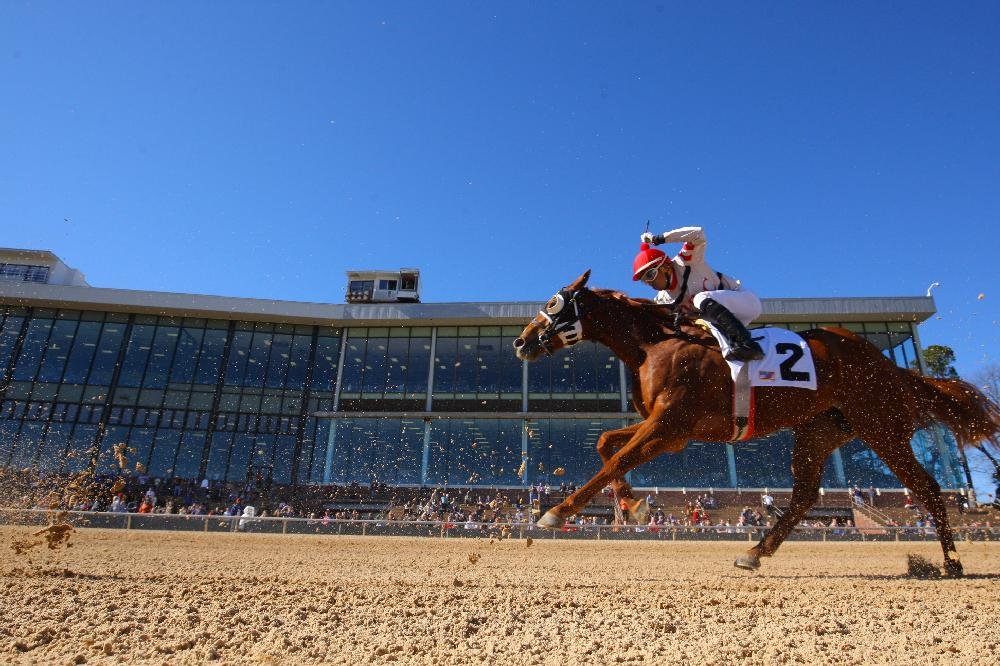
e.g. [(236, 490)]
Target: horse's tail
[(959, 405)]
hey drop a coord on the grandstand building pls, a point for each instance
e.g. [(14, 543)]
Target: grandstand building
[(402, 392)]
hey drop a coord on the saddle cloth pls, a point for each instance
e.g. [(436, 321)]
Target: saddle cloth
[(787, 362)]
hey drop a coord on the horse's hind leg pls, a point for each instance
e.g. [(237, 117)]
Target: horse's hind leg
[(814, 441), (898, 455)]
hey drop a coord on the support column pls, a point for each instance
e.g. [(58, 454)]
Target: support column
[(426, 455), (429, 402), (838, 468), (731, 459), (621, 380), (524, 452), (331, 438), (524, 386)]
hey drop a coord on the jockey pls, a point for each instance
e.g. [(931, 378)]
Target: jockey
[(687, 283)]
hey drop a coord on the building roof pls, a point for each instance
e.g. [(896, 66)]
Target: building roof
[(783, 310)]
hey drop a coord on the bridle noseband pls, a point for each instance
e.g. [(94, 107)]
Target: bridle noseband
[(561, 321)]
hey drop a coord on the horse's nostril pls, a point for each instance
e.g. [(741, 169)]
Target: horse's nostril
[(518, 343)]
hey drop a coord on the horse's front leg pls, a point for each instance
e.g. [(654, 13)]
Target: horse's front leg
[(650, 438), (607, 444)]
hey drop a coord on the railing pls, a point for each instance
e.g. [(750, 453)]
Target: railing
[(320, 526), (873, 513)]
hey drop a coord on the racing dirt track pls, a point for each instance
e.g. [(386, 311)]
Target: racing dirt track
[(168, 597)]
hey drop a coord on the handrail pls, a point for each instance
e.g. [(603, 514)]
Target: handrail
[(873, 512), (277, 524)]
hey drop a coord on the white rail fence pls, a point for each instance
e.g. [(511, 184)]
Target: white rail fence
[(319, 526)]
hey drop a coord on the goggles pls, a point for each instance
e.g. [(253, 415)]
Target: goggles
[(650, 274)]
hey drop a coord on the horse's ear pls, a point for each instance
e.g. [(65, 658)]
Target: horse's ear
[(581, 281)]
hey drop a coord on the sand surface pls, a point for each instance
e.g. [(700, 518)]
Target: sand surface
[(181, 598)]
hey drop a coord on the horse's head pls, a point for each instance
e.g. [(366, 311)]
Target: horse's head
[(559, 324)]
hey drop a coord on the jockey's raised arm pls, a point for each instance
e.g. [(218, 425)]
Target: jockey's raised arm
[(692, 237)]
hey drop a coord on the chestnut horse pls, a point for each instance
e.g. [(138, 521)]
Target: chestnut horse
[(683, 389)]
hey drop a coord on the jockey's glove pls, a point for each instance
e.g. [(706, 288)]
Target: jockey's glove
[(652, 239)]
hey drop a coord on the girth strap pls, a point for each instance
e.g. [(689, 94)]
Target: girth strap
[(743, 405)]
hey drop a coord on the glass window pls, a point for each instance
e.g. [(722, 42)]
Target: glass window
[(161, 463), (218, 457), (277, 367), (107, 354), (864, 469), (284, 449), (239, 354), (136, 355), (26, 445), (78, 457), (239, 457), (478, 363), (32, 350), (387, 285), (298, 361), (320, 429), (362, 286), (354, 363), (210, 359), (161, 356), (57, 350), (84, 346), (388, 450), (327, 356), (445, 353), (418, 364), (140, 444), (373, 373), (472, 452), (52, 451), (397, 365), (186, 355), (570, 444), (8, 436), (8, 337), (765, 462), (257, 362), (189, 454)]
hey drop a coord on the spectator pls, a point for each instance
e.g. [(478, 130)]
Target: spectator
[(767, 501)]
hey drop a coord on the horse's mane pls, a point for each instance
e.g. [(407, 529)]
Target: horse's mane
[(659, 316)]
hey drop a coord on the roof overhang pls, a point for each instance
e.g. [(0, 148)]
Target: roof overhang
[(776, 310)]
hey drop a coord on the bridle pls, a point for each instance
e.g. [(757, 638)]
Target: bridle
[(561, 321)]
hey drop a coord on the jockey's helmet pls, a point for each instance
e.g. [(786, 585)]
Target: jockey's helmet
[(648, 257)]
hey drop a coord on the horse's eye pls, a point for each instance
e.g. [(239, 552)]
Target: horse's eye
[(555, 304)]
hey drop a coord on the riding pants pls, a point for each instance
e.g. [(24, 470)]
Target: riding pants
[(744, 305)]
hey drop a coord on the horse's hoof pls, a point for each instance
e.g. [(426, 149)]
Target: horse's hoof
[(550, 521), (953, 568), (747, 562)]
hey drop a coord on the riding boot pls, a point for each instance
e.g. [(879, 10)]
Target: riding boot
[(742, 347)]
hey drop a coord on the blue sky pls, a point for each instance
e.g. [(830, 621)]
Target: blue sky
[(261, 149)]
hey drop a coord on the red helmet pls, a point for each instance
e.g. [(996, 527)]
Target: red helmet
[(647, 258)]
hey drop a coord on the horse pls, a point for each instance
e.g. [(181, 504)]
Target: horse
[(683, 389)]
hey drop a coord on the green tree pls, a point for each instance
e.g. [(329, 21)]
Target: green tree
[(940, 361)]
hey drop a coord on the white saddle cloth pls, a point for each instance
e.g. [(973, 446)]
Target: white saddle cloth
[(787, 361)]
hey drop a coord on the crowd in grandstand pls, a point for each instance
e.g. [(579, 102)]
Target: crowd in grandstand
[(141, 494)]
